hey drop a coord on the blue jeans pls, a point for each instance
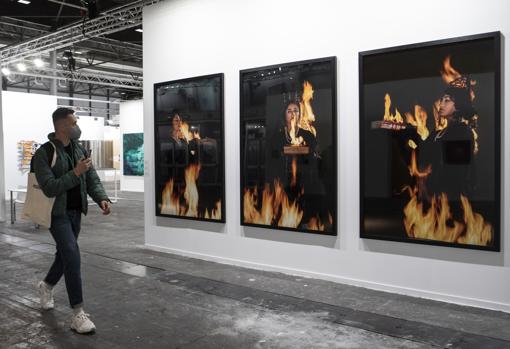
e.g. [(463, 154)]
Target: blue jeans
[(65, 230)]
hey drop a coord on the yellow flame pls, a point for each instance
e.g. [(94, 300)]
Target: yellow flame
[(215, 212), (449, 73), (315, 224), (276, 208), (436, 222), (187, 134), (388, 116), (191, 192), (440, 122), (478, 232), (307, 117), (172, 203), (419, 120), (414, 171), (294, 172)]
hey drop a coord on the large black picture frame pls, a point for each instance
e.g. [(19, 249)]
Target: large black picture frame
[(307, 66), (381, 225), (216, 116)]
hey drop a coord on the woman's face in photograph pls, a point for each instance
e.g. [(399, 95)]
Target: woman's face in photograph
[(176, 122), (292, 113), (446, 106)]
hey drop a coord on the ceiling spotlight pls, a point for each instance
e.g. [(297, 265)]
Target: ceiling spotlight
[(38, 62), (140, 30), (6, 71), (21, 66), (24, 2)]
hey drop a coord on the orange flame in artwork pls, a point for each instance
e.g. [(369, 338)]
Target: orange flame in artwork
[(315, 224), (188, 133), (448, 73), (170, 200), (419, 120), (294, 172), (172, 203), (440, 122), (307, 115), (191, 191), (276, 208), (436, 222), (388, 116)]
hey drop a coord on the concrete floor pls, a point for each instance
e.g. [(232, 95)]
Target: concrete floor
[(144, 299)]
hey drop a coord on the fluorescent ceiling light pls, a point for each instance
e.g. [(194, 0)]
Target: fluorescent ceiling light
[(38, 62), (140, 30), (24, 2), (21, 66), (6, 71)]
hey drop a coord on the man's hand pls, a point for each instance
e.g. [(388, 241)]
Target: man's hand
[(82, 166), (106, 206)]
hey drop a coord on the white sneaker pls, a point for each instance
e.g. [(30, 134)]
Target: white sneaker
[(45, 296), (82, 324)]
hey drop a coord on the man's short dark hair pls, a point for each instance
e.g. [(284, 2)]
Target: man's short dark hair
[(61, 113)]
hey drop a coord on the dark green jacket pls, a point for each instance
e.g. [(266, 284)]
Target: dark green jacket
[(56, 181)]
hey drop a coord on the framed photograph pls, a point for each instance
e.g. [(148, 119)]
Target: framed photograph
[(288, 146), (189, 148), (133, 154), (430, 138)]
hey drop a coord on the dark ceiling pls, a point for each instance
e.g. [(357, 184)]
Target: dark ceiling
[(60, 13)]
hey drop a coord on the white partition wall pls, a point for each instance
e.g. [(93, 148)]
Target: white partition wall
[(26, 117), (92, 128), (131, 121), (186, 38)]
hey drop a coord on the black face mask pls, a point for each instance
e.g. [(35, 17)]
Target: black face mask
[(75, 133)]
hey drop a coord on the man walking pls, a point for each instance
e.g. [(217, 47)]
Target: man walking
[(69, 181)]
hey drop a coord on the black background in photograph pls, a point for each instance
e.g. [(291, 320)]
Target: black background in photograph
[(411, 75), (264, 93), (199, 103)]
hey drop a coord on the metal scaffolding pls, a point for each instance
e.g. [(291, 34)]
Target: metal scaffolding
[(111, 21), (112, 80)]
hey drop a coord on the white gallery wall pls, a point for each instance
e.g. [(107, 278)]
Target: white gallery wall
[(131, 121), (26, 117), (186, 38), (92, 128)]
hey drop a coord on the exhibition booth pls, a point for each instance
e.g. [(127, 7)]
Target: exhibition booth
[(26, 121), (346, 143)]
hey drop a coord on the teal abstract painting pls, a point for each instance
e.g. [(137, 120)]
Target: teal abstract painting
[(133, 154)]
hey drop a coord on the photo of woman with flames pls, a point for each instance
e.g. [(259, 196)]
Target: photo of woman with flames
[(288, 146), (189, 152), (432, 180)]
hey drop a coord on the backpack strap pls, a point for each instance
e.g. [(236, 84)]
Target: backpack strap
[(51, 153), (54, 159)]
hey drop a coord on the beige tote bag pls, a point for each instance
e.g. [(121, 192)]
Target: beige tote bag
[(38, 206)]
